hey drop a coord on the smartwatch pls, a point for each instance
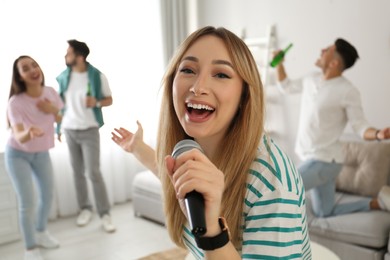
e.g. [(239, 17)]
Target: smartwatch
[(98, 104), (212, 243)]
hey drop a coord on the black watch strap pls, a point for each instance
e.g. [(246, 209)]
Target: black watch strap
[(212, 243)]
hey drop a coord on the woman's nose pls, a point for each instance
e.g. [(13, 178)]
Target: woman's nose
[(200, 86)]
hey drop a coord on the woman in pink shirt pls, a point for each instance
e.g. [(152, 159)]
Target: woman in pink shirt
[(32, 110)]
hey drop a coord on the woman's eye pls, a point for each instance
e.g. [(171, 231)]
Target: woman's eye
[(222, 76), (186, 71)]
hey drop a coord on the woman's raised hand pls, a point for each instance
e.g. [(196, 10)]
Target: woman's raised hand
[(126, 139)]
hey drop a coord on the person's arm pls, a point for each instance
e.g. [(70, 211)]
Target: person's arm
[(106, 91), (281, 72), (376, 134), (105, 102), (93, 102), (357, 120), (134, 143), (284, 84), (23, 135), (147, 156)]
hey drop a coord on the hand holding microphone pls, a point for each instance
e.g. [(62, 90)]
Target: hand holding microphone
[(193, 200)]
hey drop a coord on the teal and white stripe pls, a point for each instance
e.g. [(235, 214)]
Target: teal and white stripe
[(274, 216)]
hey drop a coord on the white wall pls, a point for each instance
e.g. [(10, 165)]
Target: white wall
[(312, 25)]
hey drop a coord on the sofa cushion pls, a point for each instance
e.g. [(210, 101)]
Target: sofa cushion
[(147, 197), (370, 229), (366, 168)]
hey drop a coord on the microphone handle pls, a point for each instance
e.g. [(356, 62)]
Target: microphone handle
[(195, 211)]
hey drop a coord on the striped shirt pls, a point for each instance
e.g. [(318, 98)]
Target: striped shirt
[(274, 217)]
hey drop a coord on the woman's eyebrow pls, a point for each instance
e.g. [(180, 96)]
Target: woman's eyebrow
[(222, 62), (191, 58)]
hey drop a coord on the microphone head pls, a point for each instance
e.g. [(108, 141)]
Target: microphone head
[(184, 146)]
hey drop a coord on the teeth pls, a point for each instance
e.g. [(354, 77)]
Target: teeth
[(199, 106)]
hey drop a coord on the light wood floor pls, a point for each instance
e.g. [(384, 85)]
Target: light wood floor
[(135, 238)]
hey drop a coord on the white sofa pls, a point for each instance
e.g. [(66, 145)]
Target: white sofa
[(147, 197), (362, 235)]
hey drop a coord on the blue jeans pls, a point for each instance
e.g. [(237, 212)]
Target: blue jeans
[(320, 178), (23, 167)]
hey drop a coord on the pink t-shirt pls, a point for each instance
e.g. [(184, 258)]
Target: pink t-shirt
[(22, 109)]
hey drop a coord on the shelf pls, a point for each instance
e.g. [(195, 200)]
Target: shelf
[(262, 50)]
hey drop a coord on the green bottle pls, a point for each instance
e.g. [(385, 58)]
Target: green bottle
[(279, 57), (89, 90)]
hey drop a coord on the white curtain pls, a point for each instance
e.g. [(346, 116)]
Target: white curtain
[(118, 169), (179, 19)]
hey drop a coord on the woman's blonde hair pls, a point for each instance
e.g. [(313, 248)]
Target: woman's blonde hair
[(235, 154)]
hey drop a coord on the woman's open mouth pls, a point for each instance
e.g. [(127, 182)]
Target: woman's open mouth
[(198, 112)]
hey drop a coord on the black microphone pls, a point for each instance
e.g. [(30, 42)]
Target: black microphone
[(193, 200)]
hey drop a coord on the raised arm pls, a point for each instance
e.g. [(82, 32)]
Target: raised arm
[(286, 85), (134, 143)]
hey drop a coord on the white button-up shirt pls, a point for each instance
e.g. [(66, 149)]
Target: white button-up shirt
[(326, 108)]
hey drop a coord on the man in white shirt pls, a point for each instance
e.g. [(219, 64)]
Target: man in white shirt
[(85, 90), (330, 101)]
